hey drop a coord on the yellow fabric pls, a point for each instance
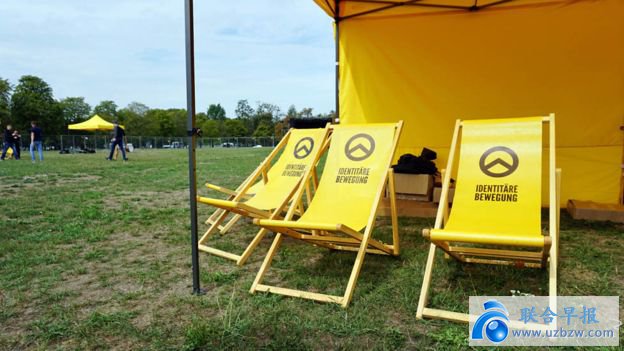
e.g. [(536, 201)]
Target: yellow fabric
[(347, 189), (255, 188), (94, 123), (499, 181), (429, 67), (285, 174)]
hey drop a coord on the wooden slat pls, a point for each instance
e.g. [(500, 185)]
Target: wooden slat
[(476, 251), (357, 248), (372, 242), (350, 242), (446, 315), (299, 293), (502, 262), (217, 252), (465, 318)]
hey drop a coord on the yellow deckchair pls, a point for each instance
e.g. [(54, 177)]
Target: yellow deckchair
[(301, 150), (249, 193), (496, 212), (346, 200)]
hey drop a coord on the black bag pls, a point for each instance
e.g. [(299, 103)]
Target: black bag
[(422, 164)]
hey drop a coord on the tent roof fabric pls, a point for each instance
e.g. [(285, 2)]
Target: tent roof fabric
[(94, 123), (359, 8)]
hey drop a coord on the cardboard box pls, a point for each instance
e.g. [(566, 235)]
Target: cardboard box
[(414, 184), (594, 211), (413, 197), (409, 208), (437, 193)]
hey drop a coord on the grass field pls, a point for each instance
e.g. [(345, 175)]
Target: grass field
[(96, 255)]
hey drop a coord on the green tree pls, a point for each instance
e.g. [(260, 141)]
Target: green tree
[(137, 108), (264, 119), (33, 99), (282, 126), (106, 109), (169, 123), (306, 113), (148, 125), (216, 112), (166, 125), (264, 129), (75, 109), (179, 118), (292, 112), (265, 109), (210, 128), (134, 117), (244, 110), (235, 128), (5, 100)]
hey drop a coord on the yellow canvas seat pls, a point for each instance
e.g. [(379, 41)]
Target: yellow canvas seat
[(356, 172), (268, 190), (496, 214)]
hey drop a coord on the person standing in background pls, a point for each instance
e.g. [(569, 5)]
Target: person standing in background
[(119, 135), (9, 142), (17, 141), (36, 141)]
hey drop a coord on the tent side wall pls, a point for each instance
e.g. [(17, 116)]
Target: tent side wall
[(431, 68)]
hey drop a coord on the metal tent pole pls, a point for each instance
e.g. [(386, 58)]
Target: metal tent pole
[(337, 55), (190, 109)]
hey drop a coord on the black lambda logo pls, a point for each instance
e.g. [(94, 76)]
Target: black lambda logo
[(361, 142), (303, 148), (509, 168)]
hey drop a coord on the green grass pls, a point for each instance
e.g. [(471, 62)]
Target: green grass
[(96, 255)]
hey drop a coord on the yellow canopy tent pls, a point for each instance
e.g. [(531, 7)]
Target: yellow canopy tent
[(94, 123), (429, 62)]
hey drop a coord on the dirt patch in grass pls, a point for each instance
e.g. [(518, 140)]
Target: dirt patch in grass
[(45, 180), (77, 178), (147, 199)]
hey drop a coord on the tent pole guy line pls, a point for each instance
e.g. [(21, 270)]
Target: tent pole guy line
[(190, 110)]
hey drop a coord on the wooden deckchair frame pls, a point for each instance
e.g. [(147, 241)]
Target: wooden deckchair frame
[(489, 255), (242, 210), (327, 236), (242, 188), (232, 193)]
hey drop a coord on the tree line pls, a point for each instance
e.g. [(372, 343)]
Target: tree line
[(33, 99)]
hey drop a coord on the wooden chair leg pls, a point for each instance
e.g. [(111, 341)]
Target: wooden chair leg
[(251, 247), (393, 214), (554, 248), (267, 262), (357, 266), (214, 216), (230, 223), (424, 290), (213, 227)]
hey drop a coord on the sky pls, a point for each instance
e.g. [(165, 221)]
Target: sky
[(275, 51)]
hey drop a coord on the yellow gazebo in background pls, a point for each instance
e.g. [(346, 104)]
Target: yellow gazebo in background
[(430, 62), (93, 124)]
